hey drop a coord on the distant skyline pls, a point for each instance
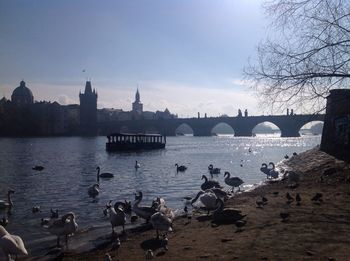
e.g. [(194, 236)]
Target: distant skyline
[(186, 56)]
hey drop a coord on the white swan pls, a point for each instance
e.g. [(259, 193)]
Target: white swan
[(93, 190), (161, 222), (9, 203), (64, 226), (10, 245), (208, 184), (232, 181), (117, 216), (143, 212), (208, 200), (159, 204), (273, 172), (103, 175), (137, 165)]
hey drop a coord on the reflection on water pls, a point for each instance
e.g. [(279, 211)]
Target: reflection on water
[(70, 168)]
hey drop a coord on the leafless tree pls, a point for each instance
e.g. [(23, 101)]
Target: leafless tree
[(306, 55)]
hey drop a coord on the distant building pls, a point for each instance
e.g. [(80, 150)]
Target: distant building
[(137, 106), (88, 111), (22, 95)]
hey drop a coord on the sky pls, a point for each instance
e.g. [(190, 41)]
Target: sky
[(184, 55)]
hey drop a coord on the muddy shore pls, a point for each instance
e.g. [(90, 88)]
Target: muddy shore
[(314, 230)]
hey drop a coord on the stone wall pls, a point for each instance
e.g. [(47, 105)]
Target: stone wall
[(336, 130)]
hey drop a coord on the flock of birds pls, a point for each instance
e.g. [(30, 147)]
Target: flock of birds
[(211, 197)]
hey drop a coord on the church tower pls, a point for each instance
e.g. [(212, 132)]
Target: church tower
[(137, 106), (88, 111)]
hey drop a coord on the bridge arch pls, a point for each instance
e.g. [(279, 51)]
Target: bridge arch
[(312, 128), (184, 129), (267, 127), (222, 128)]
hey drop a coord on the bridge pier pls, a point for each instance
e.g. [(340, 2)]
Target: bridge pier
[(290, 133)]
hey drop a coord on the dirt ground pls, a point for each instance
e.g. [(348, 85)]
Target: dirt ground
[(314, 230)]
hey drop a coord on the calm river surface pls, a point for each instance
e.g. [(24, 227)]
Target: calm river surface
[(70, 168)]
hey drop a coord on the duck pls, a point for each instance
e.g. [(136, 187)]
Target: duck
[(93, 190), (137, 165), (208, 199), (103, 175), (10, 245), (213, 170), (9, 203), (273, 172), (161, 222), (117, 216), (143, 212), (64, 226), (264, 169), (208, 184), (125, 206), (223, 215), (180, 168), (233, 181), (36, 209), (38, 168)]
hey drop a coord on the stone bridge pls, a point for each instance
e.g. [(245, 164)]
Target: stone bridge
[(289, 125)]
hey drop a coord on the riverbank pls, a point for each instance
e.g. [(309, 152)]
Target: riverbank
[(315, 230)]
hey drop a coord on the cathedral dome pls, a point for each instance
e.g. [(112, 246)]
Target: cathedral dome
[(22, 95)]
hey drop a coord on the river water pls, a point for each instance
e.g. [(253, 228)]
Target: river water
[(70, 168)]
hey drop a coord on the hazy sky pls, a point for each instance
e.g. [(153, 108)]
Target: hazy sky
[(186, 55)]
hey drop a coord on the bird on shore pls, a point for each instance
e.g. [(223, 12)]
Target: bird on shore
[(137, 165), (93, 190), (294, 153), (317, 198), (208, 184), (286, 156), (273, 172), (10, 245), (181, 168), (264, 200), (259, 203), (289, 197), (284, 216), (226, 215), (117, 216), (64, 226), (239, 225), (233, 181), (126, 206), (143, 212), (220, 193), (208, 199), (264, 169), (161, 222), (116, 245), (298, 199), (149, 254), (9, 203), (103, 175), (107, 257)]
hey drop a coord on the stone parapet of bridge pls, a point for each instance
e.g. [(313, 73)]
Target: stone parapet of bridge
[(289, 125)]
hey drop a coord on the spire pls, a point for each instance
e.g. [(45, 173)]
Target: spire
[(88, 88), (22, 84), (137, 96)]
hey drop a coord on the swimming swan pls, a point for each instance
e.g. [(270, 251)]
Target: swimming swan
[(93, 190), (103, 175), (180, 168)]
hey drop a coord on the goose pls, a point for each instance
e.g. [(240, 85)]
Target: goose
[(143, 212), (117, 216), (125, 206), (208, 184), (64, 226), (9, 203), (264, 169), (213, 170), (93, 190), (226, 215), (273, 172), (180, 168), (10, 245), (233, 181), (161, 222), (137, 165), (208, 199), (103, 175)]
